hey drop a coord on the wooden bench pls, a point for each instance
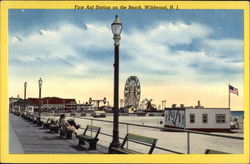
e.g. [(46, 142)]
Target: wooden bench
[(54, 127), (17, 113), (47, 123), (29, 117), (23, 115), (65, 132), (147, 141), (210, 151), (92, 141), (37, 120)]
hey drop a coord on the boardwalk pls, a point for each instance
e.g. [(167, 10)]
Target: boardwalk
[(28, 138)]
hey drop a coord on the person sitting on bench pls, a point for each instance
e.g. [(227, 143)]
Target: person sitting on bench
[(69, 124), (72, 123)]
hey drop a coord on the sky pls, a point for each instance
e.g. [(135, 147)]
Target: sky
[(180, 56)]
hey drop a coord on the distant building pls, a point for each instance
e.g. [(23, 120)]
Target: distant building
[(55, 104), (198, 118), (15, 104), (84, 107), (13, 99)]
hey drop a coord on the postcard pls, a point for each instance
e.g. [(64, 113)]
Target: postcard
[(98, 81)]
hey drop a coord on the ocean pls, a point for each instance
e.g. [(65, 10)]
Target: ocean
[(239, 114)]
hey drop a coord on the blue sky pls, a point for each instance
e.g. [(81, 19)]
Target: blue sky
[(226, 23), (203, 47)]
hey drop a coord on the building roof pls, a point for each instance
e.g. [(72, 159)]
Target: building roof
[(179, 108), (198, 107), (51, 100), (19, 102)]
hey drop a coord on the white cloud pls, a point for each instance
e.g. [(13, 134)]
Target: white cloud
[(47, 32), (177, 33), (153, 51), (229, 48), (97, 28), (15, 39), (149, 51)]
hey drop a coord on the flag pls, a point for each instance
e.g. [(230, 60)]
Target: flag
[(233, 90)]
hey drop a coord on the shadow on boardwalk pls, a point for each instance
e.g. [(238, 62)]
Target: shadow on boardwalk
[(27, 138)]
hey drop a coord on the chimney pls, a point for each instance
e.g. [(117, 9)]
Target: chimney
[(182, 105), (174, 106), (199, 105)]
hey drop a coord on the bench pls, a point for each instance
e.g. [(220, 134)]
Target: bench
[(54, 127), (23, 115), (17, 113), (210, 151), (28, 117), (92, 141), (50, 121), (31, 118), (147, 141), (37, 120), (46, 124), (65, 132)]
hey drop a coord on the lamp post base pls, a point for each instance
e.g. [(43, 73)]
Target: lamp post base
[(115, 142)]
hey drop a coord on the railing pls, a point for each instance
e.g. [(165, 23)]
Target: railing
[(189, 132)]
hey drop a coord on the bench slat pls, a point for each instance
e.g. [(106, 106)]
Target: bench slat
[(140, 138), (86, 137), (91, 140), (93, 128), (126, 151), (147, 141), (210, 151)]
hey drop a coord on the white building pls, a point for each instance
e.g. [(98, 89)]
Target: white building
[(198, 118)]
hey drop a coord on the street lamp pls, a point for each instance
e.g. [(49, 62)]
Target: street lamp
[(116, 27), (40, 87), (25, 86)]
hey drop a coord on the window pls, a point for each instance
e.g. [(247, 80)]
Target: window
[(179, 117), (183, 117), (220, 118), (204, 118), (192, 118), (173, 114)]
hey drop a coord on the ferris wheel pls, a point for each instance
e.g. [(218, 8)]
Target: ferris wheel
[(132, 92)]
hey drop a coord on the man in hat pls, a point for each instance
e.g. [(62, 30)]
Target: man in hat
[(69, 124)]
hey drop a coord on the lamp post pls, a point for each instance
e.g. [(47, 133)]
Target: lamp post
[(25, 86), (40, 89), (116, 27)]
